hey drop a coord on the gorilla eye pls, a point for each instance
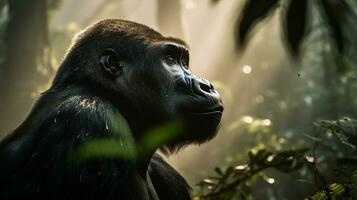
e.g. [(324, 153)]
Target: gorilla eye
[(170, 60), (184, 63)]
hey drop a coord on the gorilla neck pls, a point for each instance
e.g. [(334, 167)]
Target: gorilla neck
[(140, 122)]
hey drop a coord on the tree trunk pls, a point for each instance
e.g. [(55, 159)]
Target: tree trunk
[(26, 39)]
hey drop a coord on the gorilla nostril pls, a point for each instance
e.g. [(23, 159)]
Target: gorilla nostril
[(205, 87)]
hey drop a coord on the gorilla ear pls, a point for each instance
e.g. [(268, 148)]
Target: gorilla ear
[(111, 62)]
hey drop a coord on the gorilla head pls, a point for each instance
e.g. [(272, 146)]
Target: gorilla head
[(146, 75)]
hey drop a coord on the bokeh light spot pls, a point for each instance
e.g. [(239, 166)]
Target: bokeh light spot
[(247, 69)]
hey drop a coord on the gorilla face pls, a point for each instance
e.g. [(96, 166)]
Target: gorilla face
[(150, 75), (193, 100)]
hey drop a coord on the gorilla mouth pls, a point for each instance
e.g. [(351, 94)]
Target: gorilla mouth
[(203, 125), (212, 110)]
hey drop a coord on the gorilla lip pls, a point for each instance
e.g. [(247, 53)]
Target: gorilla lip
[(214, 110)]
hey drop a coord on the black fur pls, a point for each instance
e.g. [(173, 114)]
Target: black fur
[(119, 96), (169, 184)]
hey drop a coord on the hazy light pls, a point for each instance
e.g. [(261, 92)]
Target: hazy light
[(241, 167), (283, 105), (310, 84), (270, 180), (247, 69), (266, 122), (308, 100), (190, 4), (247, 119), (208, 181), (259, 99), (281, 140), (310, 159)]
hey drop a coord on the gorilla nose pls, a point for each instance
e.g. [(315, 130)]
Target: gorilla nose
[(205, 85), (206, 89)]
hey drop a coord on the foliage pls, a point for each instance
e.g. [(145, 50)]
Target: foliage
[(335, 15), (234, 181), (237, 181), (121, 146), (336, 191), (344, 130)]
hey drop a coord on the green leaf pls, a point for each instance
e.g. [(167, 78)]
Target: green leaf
[(354, 178), (228, 172), (336, 12), (344, 130), (253, 12), (288, 161), (260, 157), (344, 139), (120, 146), (218, 171), (333, 190), (246, 189), (158, 136), (294, 24), (104, 148)]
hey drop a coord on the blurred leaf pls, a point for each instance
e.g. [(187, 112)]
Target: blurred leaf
[(347, 161), (218, 171), (315, 139), (344, 139), (287, 155), (228, 172), (121, 146), (260, 157), (344, 130), (287, 161), (294, 24), (246, 190), (253, 12), (335, 12), (208, 182), (235, 181), (104, 148), (333, 191), (159, 136), (354, 178), (215, 1)]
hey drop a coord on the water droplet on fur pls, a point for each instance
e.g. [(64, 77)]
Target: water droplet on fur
[(106, 126)]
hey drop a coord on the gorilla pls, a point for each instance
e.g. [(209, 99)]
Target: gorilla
[(116, 74)]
